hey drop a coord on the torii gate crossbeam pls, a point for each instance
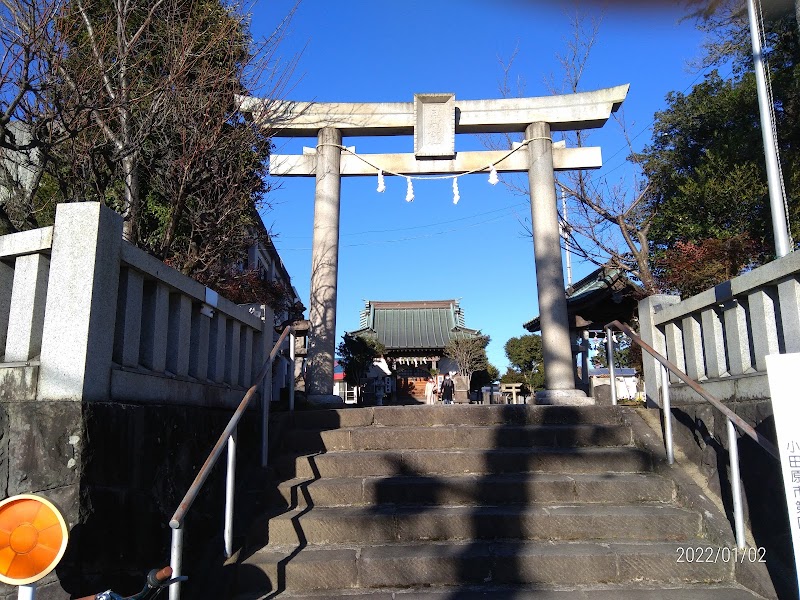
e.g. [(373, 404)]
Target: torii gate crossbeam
[(434, 119)]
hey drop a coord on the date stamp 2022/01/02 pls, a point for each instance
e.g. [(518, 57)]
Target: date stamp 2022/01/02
[(715, 554)]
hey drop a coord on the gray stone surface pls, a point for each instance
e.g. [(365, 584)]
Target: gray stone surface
[(26, 314), (324, 264), (6, 286), (560, 516), (216, 348), (26, 242), (563, 397), (556, 343), (179, 334), (471, 489), (368, 525), (156, 388), (789, 298), (155, 321), (129, 318), (80, 311), (18, 384), (452, 461), (538, 592), (567, 111), (649, 308), (434, 125), (452, 436), (324, 400)]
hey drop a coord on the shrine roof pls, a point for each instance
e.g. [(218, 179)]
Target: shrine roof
[(417, 325), (604, 295)]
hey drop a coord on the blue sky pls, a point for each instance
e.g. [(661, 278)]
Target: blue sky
[(475, 251)]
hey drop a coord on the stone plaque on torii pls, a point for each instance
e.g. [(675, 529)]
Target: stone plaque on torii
[(433, 120)]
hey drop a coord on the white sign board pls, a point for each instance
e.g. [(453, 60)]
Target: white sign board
[(782, 371)]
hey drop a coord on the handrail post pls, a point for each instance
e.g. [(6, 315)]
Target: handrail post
[(736, 486), (230, 483), (292, 339), (229, 436), (667, 408), (175, 561), (611, 373), (265, 398)]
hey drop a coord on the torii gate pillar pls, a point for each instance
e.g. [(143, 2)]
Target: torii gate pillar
[(556, 343), (324, 264)]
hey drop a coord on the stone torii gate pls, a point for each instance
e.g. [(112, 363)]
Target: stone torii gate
[(434, 119)]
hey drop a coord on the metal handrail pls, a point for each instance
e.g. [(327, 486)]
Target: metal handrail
[(228, 437), (732, 419)]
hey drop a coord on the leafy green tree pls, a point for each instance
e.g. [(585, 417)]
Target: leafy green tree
[(356, 355), (706, 167), (525, 355)]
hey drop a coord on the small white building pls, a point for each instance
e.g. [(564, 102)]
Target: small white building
[(626, 380)]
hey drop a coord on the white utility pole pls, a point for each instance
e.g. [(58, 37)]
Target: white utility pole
[(780, 226), (565, 235)]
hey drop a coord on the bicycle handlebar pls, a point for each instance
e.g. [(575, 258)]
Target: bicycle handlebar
[(156, 579)]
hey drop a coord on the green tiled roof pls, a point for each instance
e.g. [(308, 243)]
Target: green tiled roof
[(421, 324)]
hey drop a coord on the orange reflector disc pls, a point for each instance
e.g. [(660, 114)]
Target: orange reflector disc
[(33, 538)]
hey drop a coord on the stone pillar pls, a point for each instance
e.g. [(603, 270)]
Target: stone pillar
[(216, 350), (199, 343), (179, 335), (6, 285), (26, 314), (652, 336), (324, 268), (233, 343), (129, 318), (81, 306), (586, 345), (155, 323), (556, 342)]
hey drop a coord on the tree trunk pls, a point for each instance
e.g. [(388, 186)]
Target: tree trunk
[(130, 231)]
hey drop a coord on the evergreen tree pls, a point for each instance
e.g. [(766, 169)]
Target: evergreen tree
[(706, 167)]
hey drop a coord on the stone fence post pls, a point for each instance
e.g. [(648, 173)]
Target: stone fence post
[(651, 335), (80, 312)]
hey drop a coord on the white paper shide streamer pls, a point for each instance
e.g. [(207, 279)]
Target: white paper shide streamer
[(409, 190), (381, 184), (456, 195)]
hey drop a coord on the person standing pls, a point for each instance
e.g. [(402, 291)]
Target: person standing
[(448, 388), (430, 386)]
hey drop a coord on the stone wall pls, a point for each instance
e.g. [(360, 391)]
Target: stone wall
[(117, 376), (118, 472)]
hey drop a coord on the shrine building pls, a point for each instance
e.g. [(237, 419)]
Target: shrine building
[(415, 334)]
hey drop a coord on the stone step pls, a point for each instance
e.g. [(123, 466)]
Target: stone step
[(451, 461), (480, 562), (488, 592), (468, 414), (587, 522), (511, 488), (456, 436)]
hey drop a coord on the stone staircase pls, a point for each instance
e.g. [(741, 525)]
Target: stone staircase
[(483, 502)]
